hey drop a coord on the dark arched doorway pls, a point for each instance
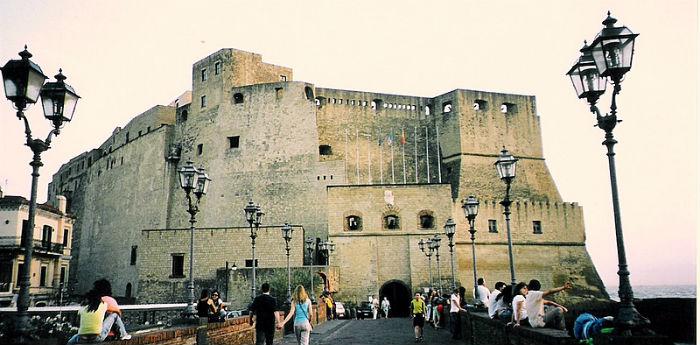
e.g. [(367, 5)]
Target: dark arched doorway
[(399, 295)]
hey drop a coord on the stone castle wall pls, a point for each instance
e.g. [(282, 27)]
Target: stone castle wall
[(288, 145)]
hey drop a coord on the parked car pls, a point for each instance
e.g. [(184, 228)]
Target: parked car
[(364, 310), (340, 312)]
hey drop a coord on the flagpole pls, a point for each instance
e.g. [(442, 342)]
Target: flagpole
[(369, 158), (403, 153), (381, 158), (357, 155), (415, 149), (427, 153), (439, 158), (346, 156)]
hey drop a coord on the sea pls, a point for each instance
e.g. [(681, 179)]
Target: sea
[(657, 291)]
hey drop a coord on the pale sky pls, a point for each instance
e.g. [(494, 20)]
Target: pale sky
[(123, 57)]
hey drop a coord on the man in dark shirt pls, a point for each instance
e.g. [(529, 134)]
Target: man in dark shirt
[(264, 314)]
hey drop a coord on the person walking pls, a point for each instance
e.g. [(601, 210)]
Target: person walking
[(264, 315), (418, 309), (386, 306), (301, 309), (455, 319), (375, 307)]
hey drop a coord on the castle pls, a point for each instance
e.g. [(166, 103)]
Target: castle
[(372, 172)]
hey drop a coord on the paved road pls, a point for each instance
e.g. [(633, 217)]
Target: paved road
[(394, 331)]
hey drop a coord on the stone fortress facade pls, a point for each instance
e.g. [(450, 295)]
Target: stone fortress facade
[(372, 172)]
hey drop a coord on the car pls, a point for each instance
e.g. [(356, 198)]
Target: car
[(364, 310), (340, 312)]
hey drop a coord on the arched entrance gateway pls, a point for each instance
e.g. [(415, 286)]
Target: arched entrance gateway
[(399, 295)]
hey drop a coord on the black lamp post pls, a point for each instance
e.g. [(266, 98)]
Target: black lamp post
[(24, 83), (253, 215), (610, 56), (436, 246), (327, 247), (428, 251), (310, 249), (506, 170), (470, 205), (287, 231), (450, 228), (193, 181)]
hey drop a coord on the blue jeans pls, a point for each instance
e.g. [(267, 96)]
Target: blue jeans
[(110, 320)]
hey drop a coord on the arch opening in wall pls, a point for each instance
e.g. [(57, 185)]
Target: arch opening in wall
[(378, 104), (391, 222), (321, 101), (428, 110), (309, 93), (426, 220), (509, 108), (237, 98), (353, 223)]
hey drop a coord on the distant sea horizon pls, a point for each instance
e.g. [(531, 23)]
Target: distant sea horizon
[(657, 291)]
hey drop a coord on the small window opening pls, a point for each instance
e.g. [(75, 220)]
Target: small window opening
[(278, 92), (309, 92), (536, 227), (217, 68), (447, 107), (203, 101), (427, 221), (354, 223), (183, 116), (480, 104), (428, 110), (325, 150), (177, 266), (391, 222), (509, 108), (249, 263), (283, 78), (134, 249), (127, 137), (200, 148), (233, 142), (493, 227), (237, 98), (204, 74)]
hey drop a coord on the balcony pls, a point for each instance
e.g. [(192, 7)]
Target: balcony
[(46, 247)]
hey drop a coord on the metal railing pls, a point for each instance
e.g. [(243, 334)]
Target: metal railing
[(39, 245)]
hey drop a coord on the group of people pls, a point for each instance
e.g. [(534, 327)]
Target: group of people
[(376, 307), (211, 306), (98, 314)]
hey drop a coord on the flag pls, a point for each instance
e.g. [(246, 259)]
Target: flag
[(403, 137)]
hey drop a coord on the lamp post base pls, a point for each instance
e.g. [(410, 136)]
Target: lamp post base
[(190, 312)]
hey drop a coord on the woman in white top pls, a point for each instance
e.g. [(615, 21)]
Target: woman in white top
[(301, 309), (519, 311)]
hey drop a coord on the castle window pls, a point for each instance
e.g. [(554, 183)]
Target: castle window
[(204, 74), (127, 293), (427, 221), (233, 142), (321, 101), (373, 105), (237, 98), (278, 92), (200, 148), (249, 263), (509, 108), (132, 261), (217, 68), (177, 266), (378, 103), (391, 222), (283, 78), (480, 104), (42, 276), (536, 227), (493, 227), (140, 133), (183, 116), (447, 107), (428, 110), (354, 223), (364, 103), (325, 150), (203, 101), (309, 92), (340, 101)]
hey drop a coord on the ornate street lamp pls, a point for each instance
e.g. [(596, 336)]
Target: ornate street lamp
[(310, 249), (23, 81), (253, 215), (450, 232), (287, 231), (436, 246), (470, 205), (506, 171), (193, 181), (428, 251), (611, 52)]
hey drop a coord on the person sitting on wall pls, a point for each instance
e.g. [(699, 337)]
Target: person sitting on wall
[(541, 312), (218, 304), (205, 306), (502, 305), (492, 299), (113, 315), (519, 310), (91, 320)]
